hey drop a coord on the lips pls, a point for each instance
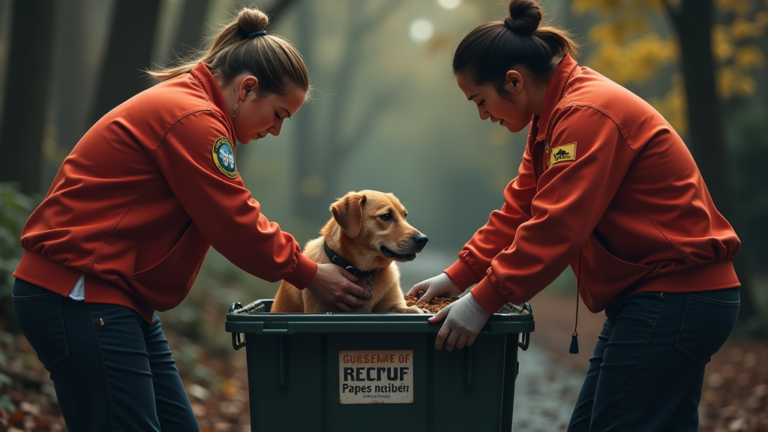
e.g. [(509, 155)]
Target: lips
[(398, 257)]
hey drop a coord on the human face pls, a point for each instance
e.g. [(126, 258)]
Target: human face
[(511, 111), (261, 115)]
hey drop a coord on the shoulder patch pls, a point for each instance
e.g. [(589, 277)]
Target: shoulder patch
[(223, 154), (563, 153)]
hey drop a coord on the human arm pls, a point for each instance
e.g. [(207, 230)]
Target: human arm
[(499, 232), (572, 196), (224, 211)]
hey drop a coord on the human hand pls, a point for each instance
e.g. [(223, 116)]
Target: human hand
[(334, 285), (464, 319), (435, 287)]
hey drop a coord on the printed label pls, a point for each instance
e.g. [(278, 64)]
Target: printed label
[(369, 377)]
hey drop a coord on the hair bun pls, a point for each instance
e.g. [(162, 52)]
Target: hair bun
[(524, 16), (251, 20)]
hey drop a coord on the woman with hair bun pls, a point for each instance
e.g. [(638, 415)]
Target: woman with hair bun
[(607, 186), (130, 216)]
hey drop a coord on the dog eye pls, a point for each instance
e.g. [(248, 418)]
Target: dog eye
[(386, 217)]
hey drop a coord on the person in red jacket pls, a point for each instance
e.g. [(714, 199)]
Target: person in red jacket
[(129, 219), (607, 186)]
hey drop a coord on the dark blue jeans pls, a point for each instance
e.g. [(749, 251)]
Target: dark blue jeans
[(112, 370), (647, 371)]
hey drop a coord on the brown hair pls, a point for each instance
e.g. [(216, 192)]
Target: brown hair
[(492, 49), (272, 60)]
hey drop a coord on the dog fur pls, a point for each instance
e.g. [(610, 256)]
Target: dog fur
[(359, 232)]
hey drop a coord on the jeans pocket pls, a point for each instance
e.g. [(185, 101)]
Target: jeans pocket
[(708, 321), (39, 313)]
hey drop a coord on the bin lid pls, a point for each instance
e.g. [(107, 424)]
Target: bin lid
[(256, 318)]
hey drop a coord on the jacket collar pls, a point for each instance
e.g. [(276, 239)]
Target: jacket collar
[(554, 93), (206, 78)]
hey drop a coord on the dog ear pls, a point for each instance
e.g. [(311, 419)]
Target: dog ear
[(348, 213)]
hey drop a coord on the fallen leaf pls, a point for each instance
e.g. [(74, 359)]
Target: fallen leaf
[(16, 418)]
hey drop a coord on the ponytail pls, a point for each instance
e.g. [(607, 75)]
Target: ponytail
[(244, 46)]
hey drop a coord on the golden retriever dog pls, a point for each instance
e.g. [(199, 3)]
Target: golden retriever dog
[(368, 231)]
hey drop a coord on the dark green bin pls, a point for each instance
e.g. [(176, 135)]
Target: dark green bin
[(294, 363)]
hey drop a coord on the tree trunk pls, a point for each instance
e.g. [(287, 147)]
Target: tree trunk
[(693, 21), (71, 77), (322, 154), (27, 92), (309, 154), (190, 28), (128, 54)]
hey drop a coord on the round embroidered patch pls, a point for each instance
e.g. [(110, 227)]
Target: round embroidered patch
[(224, 157)]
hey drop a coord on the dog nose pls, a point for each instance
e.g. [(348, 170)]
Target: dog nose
[(420, 240)]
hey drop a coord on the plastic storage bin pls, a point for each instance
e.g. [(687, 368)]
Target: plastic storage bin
[(375, 372)]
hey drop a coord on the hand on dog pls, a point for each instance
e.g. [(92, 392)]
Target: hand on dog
[(435, 287), (332, 284), (464, 319)]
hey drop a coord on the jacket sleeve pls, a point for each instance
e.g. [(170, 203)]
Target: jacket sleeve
[(499, 232), (222, 208), (571, 199)]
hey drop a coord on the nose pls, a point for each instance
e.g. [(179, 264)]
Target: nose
[(420, 240), (484, 115), (275, 129)]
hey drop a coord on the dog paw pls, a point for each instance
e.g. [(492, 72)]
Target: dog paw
[(414, 310)]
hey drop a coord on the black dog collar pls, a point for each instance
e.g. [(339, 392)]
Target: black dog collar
[(346, 265)]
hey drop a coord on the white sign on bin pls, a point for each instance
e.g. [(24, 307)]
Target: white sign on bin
[(370, 377)]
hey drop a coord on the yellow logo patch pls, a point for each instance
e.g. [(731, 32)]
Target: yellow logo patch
[(563, 153)]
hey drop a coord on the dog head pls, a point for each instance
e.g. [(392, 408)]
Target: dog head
[(374, 223)]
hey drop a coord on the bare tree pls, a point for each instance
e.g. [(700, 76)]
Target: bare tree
[(692, 20), (322, 154), (127, 54), (27, 92), (191, 27)]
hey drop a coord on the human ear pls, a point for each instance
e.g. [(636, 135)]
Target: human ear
[(248, 85), (513, 82), (348, 213)]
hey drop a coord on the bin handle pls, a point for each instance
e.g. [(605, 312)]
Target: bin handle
[(523, 344), (237, 342)]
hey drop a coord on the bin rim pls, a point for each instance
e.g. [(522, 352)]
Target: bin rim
[(256, 318)]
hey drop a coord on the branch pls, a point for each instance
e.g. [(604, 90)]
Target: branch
[(674, 14), (356, 136), (375, 19)]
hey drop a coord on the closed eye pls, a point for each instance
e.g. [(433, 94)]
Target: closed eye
[(277, 116), (481, 103)]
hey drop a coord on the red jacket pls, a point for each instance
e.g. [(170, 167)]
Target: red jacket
[(606, 179), (140, 199)]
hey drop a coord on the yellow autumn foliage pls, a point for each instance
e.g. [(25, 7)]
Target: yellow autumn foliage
[(634, 62), (739, 7), (618, 31), (673, 106), (732, 81), (749, 57)]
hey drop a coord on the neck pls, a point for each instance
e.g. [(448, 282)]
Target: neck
[(538, 95), (226, 92)]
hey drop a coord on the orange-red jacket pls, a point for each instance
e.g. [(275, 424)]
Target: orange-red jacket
[(140, 199), (606, 179)]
